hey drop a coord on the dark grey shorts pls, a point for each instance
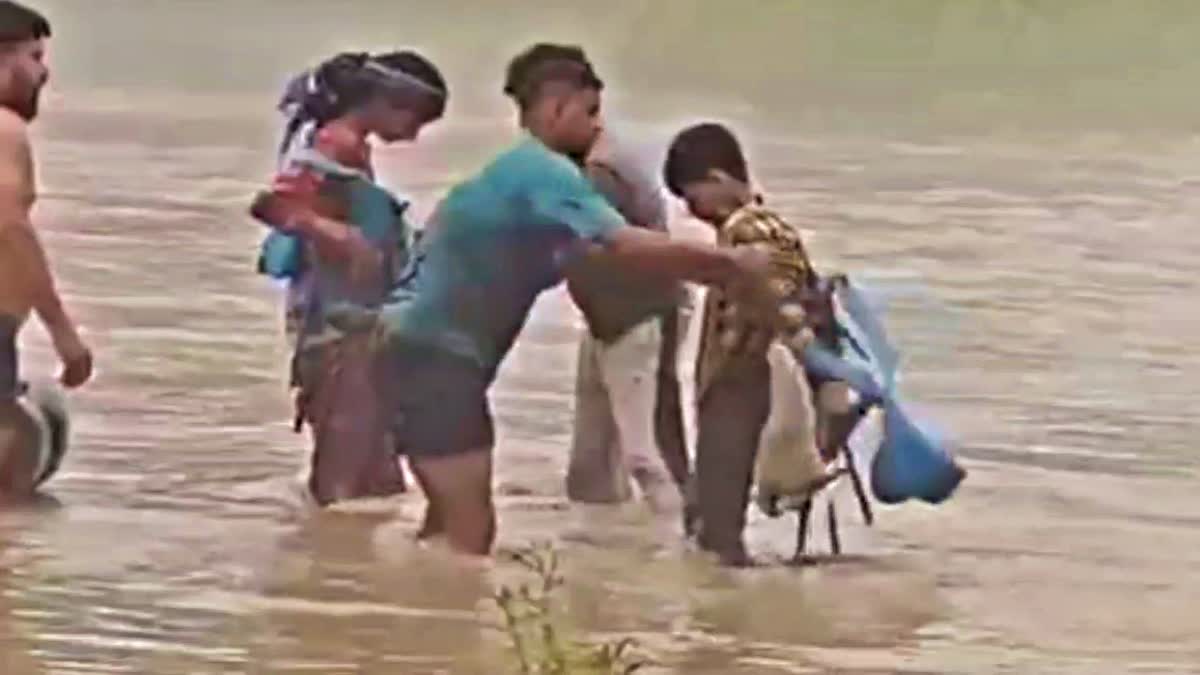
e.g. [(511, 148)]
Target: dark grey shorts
[(437, 402), (10, 382)]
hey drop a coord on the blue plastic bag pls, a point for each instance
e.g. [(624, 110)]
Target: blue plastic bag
[(913, 460), (377, 213), (280, 255)]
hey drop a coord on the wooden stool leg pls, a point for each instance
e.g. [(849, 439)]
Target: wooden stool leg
[(804, 513), (835, 541), (860, 490)]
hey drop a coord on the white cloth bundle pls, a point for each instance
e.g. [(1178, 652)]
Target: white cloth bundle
[(789, 463)]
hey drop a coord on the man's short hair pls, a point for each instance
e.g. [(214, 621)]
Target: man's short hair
[(696, 151), (19, 23), (531, 70)]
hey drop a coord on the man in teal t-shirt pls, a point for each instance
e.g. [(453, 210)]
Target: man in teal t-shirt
[(496, 242)]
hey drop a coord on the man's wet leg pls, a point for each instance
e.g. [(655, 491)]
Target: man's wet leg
[(459, 490)]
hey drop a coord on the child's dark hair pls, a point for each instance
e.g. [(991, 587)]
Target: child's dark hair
[(544, 63), (19, 23), (699, 149)]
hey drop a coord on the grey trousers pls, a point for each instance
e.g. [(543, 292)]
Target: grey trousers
[(629, 419), (730, 418)]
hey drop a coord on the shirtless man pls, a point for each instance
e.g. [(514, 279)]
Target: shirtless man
[(25, 281)]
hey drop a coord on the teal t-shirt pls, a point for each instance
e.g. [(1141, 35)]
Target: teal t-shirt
[(494, 243)]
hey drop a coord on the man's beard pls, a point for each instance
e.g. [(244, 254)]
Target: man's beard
[(578, 156), (28, 109), (25, 103)]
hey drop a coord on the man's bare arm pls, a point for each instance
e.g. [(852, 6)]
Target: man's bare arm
[(657, 254)]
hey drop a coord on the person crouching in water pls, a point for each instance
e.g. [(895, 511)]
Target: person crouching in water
[(334, 110), (628, 415), (706, 168)]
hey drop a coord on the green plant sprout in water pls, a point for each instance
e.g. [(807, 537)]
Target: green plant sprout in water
[(534, 627)]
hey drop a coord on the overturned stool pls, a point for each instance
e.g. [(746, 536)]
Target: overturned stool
[(819, 468), (816, 406), (842, 426)]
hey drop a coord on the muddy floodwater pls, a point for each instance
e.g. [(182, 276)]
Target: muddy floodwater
[(1021, 180)]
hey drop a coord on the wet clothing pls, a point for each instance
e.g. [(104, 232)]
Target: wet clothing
[(729, 419), (438, 400), (16, 428), (628, 414), (9, 367), (611, 298), (353, 449), (735, 334), (668, 406), (733, 380), (493, 245), (338, 393)]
